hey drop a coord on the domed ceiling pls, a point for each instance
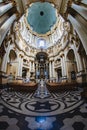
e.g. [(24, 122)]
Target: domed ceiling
[(41, 26), (41, 17)]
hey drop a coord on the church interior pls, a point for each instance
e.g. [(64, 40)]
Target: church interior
[(43, 65)]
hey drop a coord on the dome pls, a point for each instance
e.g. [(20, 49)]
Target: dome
[(41, 26), (41, 17)]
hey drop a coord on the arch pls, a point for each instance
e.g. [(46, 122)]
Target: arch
[(12, 63), (42, 66), (83, 57), (12, 55), (70, 55), (41, 55), (71, 65)]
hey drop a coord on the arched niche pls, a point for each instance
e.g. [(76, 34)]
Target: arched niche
[(12, 64), (71, 66), (12, 55)]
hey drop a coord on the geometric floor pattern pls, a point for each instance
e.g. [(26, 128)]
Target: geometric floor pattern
[(59, 111)]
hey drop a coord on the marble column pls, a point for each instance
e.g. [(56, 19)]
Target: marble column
[(5, 27), (5, 8), (53, 69), (33, 66), (80, 9), (30, 66), (50, 69), (5, 59), (80, 62), (78, 59), (20, 65), (80, 31), (84, 63), (63, 65), (80, 74)]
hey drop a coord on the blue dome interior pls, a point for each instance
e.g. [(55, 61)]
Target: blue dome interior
[(41, 17)]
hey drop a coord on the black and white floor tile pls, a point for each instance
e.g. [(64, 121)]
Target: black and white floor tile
[(43, 111)]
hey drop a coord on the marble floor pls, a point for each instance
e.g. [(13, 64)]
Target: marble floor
[(42, 110)]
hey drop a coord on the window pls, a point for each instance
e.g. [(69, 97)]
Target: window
[(41, 44)]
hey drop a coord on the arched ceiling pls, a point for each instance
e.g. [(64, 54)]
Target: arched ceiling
[(41, 40), (41, 57), (41, 17)]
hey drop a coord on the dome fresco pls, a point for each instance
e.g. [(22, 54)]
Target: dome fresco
[(41, 17)]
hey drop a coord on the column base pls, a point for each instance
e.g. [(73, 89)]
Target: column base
[(81, 77), (52, 79), (19, 79), (64, 79), (3, 78)]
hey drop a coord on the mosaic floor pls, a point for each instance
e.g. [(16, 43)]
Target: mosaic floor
[(42, 110)]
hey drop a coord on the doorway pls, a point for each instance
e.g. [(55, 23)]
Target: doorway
[(59, 74), (42, 66)]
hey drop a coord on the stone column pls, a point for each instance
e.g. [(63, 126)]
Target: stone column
[(78, 59), (33, 66), (80, 62), (20, 65), (80, 31), (85, 63), (30, 66), (50, 69), (80, 74), (5, 27), (5, 59), (5, 8), (53, 69), (63, 65), (47, 69)]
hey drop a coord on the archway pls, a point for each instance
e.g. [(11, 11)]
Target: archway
[(71, 66), (42, 65), (83, 57), (59, 74), (12, 64)]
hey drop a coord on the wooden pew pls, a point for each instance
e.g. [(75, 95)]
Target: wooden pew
[(56, 87), (28, 87)]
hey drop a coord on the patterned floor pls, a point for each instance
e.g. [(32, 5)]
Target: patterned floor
[(59, 111)]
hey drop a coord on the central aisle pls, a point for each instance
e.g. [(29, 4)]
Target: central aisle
[(42, 91)]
